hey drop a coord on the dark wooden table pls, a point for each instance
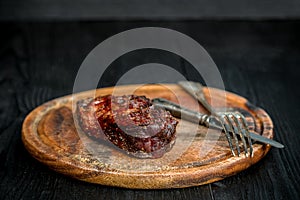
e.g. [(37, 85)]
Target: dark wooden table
[(257, 59)]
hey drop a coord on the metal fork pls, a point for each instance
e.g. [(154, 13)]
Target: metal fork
[(233, 123), (205, 120)]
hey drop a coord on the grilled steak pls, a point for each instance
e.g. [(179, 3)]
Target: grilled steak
[(130, 122)]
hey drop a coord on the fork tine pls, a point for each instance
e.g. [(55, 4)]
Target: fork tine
[(226, 130), (246, 132), (241, 131), (234, 130)]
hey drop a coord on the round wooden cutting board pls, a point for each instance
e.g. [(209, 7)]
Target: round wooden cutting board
[(199, 156)]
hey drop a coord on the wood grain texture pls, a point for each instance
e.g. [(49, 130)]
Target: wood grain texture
[(152, 10), (258, 60), (198, 157)]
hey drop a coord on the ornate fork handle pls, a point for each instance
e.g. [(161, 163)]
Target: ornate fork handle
[(181, 112)]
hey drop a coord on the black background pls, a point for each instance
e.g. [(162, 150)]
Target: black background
[(257, 53)]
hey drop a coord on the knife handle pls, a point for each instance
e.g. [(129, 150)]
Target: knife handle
[(196, 90)]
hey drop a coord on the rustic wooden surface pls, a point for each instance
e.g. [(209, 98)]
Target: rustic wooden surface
[(199, 156), (258, 60), (154, 9)]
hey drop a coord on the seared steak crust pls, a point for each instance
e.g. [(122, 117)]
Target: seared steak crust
[(130, 122)]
